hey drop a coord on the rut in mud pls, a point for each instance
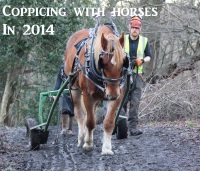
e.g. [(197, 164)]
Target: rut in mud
[(167, 147)]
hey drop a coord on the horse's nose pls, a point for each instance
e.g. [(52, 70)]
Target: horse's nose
[(109, 97)]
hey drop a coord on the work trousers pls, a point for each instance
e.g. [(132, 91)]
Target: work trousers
[(66, 104), (132, 105)]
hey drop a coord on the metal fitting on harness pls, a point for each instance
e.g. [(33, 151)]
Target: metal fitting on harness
[(87, 63)]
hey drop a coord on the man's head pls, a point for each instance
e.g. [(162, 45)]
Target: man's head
[(135, 26)]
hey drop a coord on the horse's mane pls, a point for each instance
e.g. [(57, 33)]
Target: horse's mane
[(118, 55)]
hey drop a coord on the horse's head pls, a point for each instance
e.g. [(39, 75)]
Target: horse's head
[(111, 62)]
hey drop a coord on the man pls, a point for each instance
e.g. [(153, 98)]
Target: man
[(137, 48), (66, 105)]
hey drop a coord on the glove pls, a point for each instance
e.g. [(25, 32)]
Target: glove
[(138, 62)]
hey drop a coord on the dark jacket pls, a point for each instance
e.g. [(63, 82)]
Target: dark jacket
[(61, 77)]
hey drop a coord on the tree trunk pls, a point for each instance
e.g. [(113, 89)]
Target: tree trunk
[(5, 99), (154, 38)]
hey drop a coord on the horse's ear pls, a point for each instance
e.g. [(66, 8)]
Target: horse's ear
[(121, 40), (104, 42)]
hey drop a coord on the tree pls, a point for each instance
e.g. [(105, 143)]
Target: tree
[(28, 63), (178, 25)]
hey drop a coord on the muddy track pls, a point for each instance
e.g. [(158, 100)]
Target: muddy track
[(166, 147)]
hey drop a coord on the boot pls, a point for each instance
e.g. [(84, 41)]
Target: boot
[(135, 132)]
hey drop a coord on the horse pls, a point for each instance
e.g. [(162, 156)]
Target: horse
[(109, 60)]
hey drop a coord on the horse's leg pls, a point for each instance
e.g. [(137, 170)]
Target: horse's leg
[(80, 114), (109, 123), (90, 106)]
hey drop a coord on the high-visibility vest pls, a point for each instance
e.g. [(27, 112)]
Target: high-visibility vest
[(140, 51)]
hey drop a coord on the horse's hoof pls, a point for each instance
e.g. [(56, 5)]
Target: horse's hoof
[(107, 152), (87, 147), (79, 144)]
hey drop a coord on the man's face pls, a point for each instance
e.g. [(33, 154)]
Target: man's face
[(134, 31)]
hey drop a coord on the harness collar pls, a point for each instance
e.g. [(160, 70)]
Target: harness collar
[(89, 69)]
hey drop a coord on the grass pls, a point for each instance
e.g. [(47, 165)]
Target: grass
[(191, 124)]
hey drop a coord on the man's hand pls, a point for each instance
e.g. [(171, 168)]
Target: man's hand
[(138, 62), (54, 97)]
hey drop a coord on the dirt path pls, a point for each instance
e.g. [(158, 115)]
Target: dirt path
[(162, 147)]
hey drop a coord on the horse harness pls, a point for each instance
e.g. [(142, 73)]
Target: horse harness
[(97, 77)]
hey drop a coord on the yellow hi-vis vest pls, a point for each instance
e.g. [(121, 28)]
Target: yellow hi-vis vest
[(140, 51)]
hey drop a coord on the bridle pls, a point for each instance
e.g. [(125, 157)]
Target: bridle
[(106, 80), (97, 76)]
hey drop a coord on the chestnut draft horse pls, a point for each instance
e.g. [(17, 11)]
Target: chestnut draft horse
[(86, 95)]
